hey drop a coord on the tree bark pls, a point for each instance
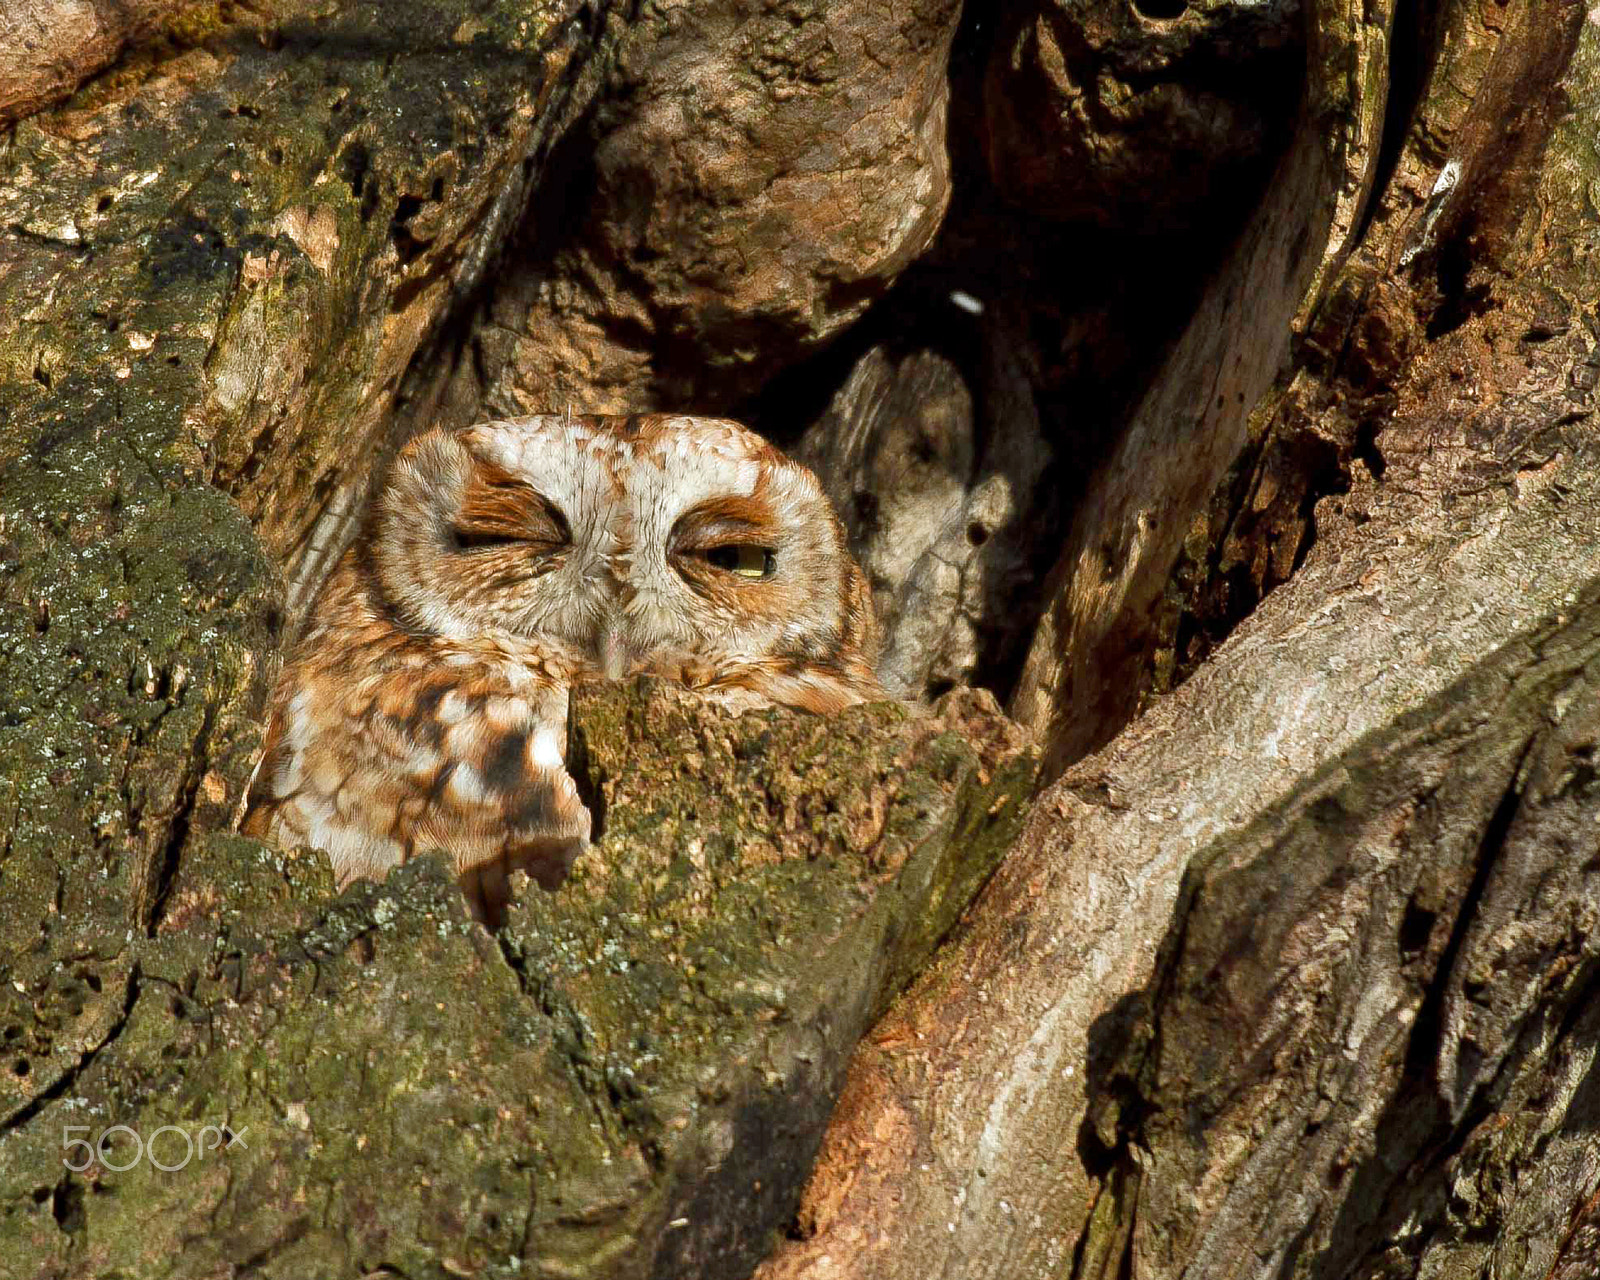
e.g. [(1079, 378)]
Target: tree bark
[(1296, 976), (213, 275), (49, 47), (1290, 970)]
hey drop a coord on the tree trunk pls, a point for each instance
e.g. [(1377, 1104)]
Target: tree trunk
[(1297, 976), (1288, 970)]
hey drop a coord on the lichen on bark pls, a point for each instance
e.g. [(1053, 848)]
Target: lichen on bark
[(629, 1080), (216, 264)]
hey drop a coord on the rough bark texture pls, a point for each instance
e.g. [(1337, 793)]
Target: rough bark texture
[(1085, 101), (49, 47), (1295, 975), (630, 1080), (242, 244), (1299, 972), (754, 178), (1087, 665)]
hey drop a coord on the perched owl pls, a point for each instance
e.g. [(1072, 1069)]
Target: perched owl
[(426, 706)]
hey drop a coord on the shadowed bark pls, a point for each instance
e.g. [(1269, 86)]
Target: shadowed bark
[(1297, 971)]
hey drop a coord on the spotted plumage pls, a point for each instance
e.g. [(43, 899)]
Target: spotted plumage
[(426, 706)]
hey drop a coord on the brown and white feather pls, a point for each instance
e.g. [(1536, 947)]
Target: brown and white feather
[(426, 706)]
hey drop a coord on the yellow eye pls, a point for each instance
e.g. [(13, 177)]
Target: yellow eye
[(745, 559)]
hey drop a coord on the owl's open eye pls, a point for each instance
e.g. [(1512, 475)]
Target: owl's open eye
[(743, 558), (728, 535)]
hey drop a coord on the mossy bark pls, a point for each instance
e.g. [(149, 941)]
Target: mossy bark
[(217, 261), (630, 1080)]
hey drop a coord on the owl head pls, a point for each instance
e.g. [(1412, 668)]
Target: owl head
[(682, 547)]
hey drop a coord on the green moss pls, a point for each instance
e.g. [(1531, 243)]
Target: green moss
[(179, 361), (660, 1040)]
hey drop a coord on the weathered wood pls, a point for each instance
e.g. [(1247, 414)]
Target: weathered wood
[(1296, 976), (1086, 669)]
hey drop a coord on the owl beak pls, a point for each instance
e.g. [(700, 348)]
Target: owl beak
[(614, 657)]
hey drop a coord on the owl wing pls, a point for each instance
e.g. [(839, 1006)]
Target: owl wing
[(422, 756)]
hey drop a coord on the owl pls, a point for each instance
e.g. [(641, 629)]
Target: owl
[(505, 564)]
